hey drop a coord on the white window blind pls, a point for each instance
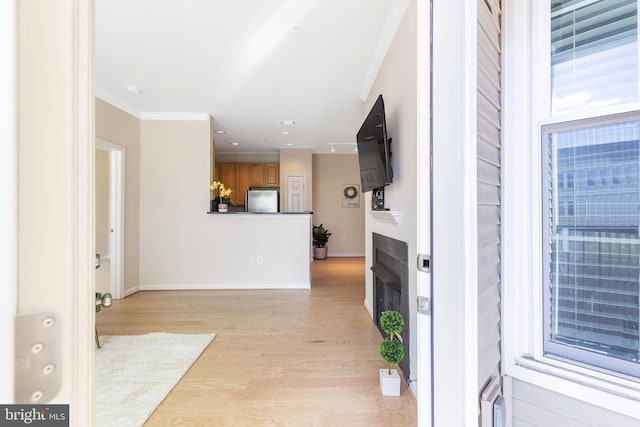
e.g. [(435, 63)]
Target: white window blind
[(592, 250), (594, 54)]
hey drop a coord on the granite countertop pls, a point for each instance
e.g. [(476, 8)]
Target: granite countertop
[(259, 213)]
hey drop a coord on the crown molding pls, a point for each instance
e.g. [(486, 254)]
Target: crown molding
[(175, 116), (118, 103)]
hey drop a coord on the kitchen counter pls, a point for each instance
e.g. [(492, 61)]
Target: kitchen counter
[(235, 250), (260, 213)]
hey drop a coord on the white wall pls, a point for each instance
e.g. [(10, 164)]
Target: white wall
[(181, 246), (331, 172), (396, 81)]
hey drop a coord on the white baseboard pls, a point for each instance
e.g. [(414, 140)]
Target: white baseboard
[(132, 291), (413, 388), (346, 255), (214, 286), (369, 308)]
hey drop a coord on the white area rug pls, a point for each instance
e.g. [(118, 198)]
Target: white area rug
[(134, 373)]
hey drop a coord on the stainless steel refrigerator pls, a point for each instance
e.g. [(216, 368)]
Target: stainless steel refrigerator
[(263, 199)]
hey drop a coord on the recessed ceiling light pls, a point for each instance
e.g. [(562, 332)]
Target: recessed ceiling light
[(333, 148), (285, 132), (287, 122), (289, 144), (133, 89), (221, 132), (235, 143)]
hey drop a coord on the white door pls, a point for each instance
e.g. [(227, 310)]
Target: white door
[(296, 193), (55, 245), (115, 215)]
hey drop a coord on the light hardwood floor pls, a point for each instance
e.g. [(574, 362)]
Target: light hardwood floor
[(280, 357)]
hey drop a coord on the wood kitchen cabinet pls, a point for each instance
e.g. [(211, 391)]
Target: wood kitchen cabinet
[(271, 174), (256, 174), (240, 176)]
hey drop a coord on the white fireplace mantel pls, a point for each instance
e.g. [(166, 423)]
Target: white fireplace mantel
[(393, 217)]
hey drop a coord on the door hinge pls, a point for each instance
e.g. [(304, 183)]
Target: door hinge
[(38, 358)]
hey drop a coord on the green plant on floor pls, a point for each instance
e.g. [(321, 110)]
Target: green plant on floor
[(320, 236), (391, 349)]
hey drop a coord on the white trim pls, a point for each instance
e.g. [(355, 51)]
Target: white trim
[(118, 103), (175, 116), (422, 388), (148, 115), (216, 286), (387, 33), (368, 307), (82, 128), (345, 255), (609, 396), (132, 291), (470, 212), (455, 367), (8, 197), (622, 111)]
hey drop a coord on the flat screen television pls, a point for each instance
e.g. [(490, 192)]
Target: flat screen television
[(374, 151)]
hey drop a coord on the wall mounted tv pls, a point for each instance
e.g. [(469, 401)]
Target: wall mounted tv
[(374, 151)]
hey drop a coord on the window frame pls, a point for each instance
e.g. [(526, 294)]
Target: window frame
[(590, 359), (526, 101)]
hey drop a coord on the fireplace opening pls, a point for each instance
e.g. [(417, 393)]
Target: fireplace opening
[(391, 286)]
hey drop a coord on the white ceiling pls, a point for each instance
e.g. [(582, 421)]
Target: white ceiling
[(248, 63)]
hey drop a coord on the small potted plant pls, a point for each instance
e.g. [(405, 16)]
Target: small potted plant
[(223, 197), (320, 239), (392, 351)]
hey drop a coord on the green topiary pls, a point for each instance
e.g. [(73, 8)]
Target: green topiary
[(391, 349), (391, 322), (320, 236)]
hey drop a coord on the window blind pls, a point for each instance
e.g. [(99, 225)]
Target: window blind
[(594, 54)]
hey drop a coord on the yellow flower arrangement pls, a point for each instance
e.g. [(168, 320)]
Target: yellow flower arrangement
[(223, 192)]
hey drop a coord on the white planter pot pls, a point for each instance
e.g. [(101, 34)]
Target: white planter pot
[(389, 384), (320, 253), (223, 207)]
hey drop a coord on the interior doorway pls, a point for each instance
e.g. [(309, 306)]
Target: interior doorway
[(110, 215)]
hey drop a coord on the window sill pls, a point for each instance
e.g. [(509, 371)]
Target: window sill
[(615, 394)]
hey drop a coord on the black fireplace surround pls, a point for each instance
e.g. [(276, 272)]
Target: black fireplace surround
[(391, 286)]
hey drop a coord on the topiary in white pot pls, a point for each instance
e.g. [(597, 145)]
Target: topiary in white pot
[(391, 351)]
